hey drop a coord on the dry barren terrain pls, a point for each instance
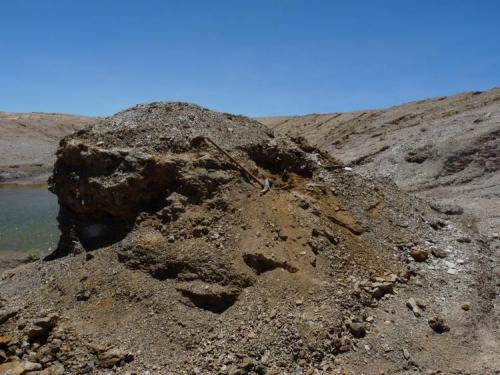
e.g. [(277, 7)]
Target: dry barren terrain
[(173, 259), (445, 149), (28, 142)]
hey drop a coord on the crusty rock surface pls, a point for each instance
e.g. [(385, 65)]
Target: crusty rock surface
[(172, 260)]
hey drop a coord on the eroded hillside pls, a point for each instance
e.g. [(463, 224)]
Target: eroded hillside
[(446, 149)]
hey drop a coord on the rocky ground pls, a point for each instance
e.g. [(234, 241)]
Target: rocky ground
[(172, 260), (445, 149), (28, 142)]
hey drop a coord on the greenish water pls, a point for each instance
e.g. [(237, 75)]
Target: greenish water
[(28, 219)]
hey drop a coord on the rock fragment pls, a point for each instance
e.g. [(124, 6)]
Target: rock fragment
[(83, 295), (113, 356), (419, 255), (464, 239), (438, 325), (412, 305), (358, 330), (12, 368), (381, 289), (6, 314), (439, 253), (406, 354), (4, 340), (447, 209), (42, 326)]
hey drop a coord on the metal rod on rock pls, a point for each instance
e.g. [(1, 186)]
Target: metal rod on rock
[(263, 184)]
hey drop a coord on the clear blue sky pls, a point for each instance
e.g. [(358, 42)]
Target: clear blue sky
[(263, 57)]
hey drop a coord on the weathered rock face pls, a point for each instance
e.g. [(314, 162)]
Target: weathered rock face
[(134, 161)]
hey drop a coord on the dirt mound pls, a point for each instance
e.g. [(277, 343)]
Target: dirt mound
[(173, 260)]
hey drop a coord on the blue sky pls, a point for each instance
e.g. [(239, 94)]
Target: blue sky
[(266, 57)]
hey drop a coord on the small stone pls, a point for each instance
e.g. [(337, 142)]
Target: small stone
[(466, 307), (281, 235), (437, 224), (406, 354), (35, 332), (265, 358), (381, 289), (55, 369), (421, 303), (419, 255), (47, 322), (447, 209), (200, 231), (32, 366), (247, 363), (83, 295), (42, 326), (439, 253), (3, 356), (412, 305), (261, 369), (113, 356), (304, 204), (233, 370), (358, 330), (6, 314), (438, 325), (464, 239)]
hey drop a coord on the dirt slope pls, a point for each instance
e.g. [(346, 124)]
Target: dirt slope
[(447, 148), (172, 261), (28, 142)]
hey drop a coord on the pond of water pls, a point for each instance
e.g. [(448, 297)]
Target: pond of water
[(28, 219)]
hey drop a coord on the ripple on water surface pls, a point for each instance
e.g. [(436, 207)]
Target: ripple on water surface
[(28, 219)]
